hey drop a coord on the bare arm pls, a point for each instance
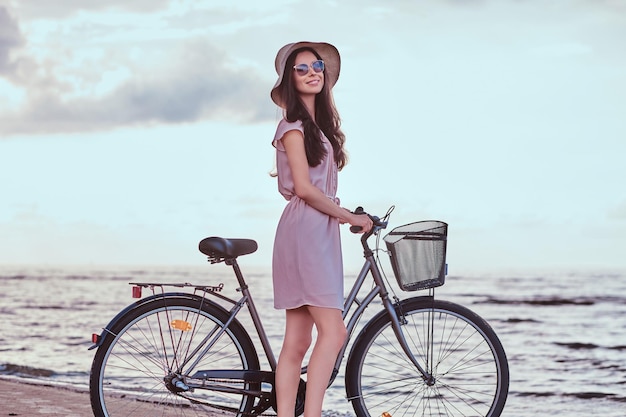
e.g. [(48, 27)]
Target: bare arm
[(313, 196)]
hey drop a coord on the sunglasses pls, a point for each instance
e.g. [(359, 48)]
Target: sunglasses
[(303, 69)]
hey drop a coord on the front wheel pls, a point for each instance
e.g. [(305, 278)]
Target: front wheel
[(458, 349), (146, 362)]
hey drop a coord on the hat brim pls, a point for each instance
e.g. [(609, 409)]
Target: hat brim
[(328, 53)]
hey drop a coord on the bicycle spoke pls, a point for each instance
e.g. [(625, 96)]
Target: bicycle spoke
[(464, 357), (136, 372)]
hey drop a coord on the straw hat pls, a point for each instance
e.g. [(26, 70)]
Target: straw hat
[(329, 54)]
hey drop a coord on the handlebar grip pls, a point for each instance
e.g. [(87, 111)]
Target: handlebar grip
[(357, 229), (377, 222)]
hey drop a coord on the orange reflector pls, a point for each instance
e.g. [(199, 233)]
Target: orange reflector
[(385, 414), (181, 325)]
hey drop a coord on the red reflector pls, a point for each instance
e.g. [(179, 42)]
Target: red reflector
[(95, 338), (136, 292)]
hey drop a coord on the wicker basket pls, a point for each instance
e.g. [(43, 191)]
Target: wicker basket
[(418, 254)]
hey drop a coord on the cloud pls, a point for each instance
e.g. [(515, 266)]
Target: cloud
[(196, 81), (64, 8), (129, 63), (121, 64), (10, 39)]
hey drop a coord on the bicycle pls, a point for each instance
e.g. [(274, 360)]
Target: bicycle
[(184, 353)]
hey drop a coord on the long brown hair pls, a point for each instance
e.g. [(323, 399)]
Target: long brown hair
[(328, 121)]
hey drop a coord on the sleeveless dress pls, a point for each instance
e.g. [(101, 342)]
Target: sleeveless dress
[(307, 266)]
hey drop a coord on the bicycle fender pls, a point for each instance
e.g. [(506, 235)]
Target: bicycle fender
[(107, 330)]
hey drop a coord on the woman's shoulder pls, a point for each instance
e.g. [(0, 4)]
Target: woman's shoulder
[(285, 126)]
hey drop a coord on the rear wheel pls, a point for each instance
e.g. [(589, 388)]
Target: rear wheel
[(142, 368), (470, 373)]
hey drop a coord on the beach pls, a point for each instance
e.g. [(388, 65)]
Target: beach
[(25, 398), (20, 397)]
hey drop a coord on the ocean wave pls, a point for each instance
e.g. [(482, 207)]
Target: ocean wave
[(588, 395), (12, 277), (25, 371), (553, 301), (514, 320), (579, 346)]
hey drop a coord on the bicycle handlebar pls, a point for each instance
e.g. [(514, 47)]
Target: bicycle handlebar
[(378, 224)]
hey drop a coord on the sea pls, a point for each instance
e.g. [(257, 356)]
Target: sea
[(564, 332)]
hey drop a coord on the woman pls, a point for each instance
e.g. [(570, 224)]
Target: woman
[(307, 260)]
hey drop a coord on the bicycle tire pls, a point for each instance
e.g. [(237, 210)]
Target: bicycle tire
[(130, 368), (469, 365)]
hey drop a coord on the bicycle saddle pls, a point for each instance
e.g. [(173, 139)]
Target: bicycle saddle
[(219, 247)]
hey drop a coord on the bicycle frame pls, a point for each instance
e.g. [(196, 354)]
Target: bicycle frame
[(370, 266)]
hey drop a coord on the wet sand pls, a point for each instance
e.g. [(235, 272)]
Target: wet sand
[(24, 398), (29, 398)]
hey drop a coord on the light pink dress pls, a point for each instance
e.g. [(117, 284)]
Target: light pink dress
[(307, 266)]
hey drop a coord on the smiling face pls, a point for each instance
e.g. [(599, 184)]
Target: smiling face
[(312, 83)]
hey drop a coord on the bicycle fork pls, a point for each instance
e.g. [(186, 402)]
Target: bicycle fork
[(394, 311), (397, 318), (397, 321)]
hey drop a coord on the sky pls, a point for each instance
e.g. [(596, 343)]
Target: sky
[(132, 129)]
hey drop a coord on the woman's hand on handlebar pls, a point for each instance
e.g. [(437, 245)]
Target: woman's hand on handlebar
[(360, 223), (374, 221)]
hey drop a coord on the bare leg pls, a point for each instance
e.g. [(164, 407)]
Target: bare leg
[(331, 334), (298, 328)]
